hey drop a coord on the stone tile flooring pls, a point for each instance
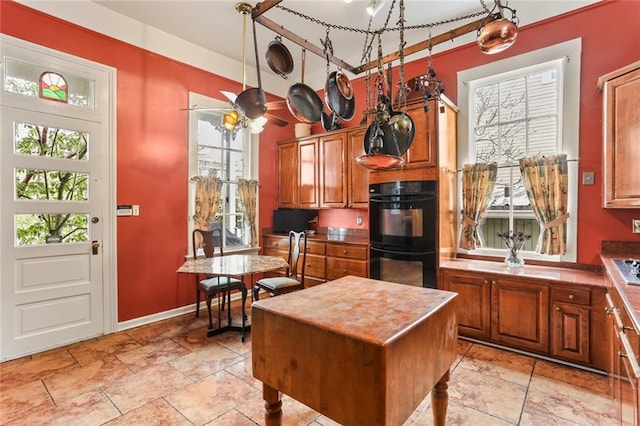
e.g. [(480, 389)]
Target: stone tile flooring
[(170, 373)]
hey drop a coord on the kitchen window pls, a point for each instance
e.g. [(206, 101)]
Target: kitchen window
[(521, 107), (227, 155)]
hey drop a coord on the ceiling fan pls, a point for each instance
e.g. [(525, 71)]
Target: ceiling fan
[(249, 108)]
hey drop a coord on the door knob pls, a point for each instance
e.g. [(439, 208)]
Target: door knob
[(94, 247)]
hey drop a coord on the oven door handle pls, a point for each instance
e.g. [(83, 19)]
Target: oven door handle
[(404, 253), (410, 200)]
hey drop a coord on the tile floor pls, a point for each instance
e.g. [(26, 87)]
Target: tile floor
[(170, 373)]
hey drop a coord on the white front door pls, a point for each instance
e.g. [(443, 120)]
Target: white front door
[(54, 192)]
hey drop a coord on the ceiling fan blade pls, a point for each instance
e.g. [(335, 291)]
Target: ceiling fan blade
[(276, 120), (229, 95), (271, 106), (206, 109)]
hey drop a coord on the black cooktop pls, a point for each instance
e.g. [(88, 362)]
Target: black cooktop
[(630, 270)]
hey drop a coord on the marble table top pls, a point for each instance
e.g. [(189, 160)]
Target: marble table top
[(233, 264)]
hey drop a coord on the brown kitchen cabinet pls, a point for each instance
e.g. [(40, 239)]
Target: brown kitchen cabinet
[(570, 324), (562, 319), (422, 152), (358, 176), (346, 259), (474, 295), (322, 171), (621, 119), (278, 245), (624, 371), (333, 170), (288, 175)]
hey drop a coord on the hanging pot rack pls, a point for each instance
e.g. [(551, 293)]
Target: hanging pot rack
[(257, 14)]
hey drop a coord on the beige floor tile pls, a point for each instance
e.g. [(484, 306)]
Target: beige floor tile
[(157, 331), (209, 398), (496, 397), (205, 362), (95, 349), (534, 417), (242, 370), (22, 399), (458, 414), (36, 367), (293, 412), (231, 418), (154, 353), (157, 412), (499, 363), (570, 402), (79, 380), (91, 408), (584, 379), (138, 389)]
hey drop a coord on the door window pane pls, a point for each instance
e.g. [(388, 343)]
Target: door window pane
[(51, 185), (24, 78), (50, 228), (32, 139)]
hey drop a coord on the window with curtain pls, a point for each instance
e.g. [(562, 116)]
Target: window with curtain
[(226, 155), (525, 106)]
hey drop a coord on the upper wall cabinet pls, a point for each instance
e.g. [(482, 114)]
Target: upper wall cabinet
[(621, 133)]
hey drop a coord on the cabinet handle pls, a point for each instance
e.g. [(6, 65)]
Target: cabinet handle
[(622, 355), (486, 281), (608, 310), (626, 327), (571, 297), (558, 308), (344, 270), (344, 252), (493, 282)]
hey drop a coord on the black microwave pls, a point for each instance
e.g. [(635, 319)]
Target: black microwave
[(285, 220)]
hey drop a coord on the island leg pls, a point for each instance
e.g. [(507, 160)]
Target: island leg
[(272, 406), (440, 400)]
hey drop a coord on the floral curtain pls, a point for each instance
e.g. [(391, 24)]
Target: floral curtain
[(248, 191), (478, 181), (546, 182), (208, 190)]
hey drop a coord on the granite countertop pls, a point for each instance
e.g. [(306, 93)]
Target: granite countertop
[(347, 236), (629, 293), (548, 273)]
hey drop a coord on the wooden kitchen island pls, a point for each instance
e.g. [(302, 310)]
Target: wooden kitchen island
[(359, 351)]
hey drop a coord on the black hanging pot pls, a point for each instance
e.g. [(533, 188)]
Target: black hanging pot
[(338, 95), (253, 101), (394, 143), (303, 102), (279, 58)]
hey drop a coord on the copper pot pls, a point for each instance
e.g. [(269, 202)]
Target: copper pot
[(497, 35), (279, 58)]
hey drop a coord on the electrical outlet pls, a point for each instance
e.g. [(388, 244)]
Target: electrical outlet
[(136, 210), (359, 220), (635, 226)]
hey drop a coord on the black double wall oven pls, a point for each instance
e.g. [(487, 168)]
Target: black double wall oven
[(402, 232)]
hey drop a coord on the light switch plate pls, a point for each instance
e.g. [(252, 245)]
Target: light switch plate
[(635, 226), (588, 178)]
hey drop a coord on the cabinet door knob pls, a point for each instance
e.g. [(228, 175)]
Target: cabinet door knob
[(558, 308), (622, 355), (608, 310), (571, 297), (486, 281), (493, 282)]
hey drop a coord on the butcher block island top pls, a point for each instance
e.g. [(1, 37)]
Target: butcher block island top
[(357, 350)]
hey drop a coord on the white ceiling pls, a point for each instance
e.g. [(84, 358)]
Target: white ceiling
[(216, 26)]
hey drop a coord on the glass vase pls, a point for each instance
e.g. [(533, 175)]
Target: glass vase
[(513, 260)]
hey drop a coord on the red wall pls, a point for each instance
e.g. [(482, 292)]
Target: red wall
[(152, 137)]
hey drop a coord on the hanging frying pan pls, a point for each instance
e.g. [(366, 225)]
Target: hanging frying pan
[(279, 58), (303, 102), (253, 102)]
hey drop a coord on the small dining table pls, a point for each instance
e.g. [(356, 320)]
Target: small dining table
[(232, 265)]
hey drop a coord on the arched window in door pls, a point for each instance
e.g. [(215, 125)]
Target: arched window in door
[(53, 87)]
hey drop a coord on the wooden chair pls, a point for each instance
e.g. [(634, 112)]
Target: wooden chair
[(213, 286), (294, 279)]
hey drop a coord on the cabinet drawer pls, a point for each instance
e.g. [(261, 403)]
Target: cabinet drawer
[(315, 247), (337, 268), (276, 242), (578, 296), (348, 251), (314, 266)]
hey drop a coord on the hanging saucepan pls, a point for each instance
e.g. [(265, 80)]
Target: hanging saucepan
[(303, 102), (336, 87), (253, 102), (330, 121), (394, 143), (279, 58)]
